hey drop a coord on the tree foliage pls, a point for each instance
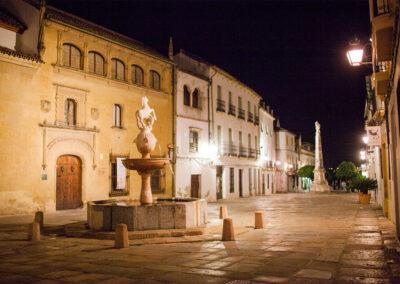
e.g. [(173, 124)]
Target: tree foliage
[(346, 171), (306, 172)]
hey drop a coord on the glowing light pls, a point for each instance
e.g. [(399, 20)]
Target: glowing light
[(278, 163), (365, 139), (363, 155), (355, 53)]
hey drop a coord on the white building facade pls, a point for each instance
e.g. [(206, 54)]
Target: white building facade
[(233, 120), (195, 176), (267, 150), (286, 160)]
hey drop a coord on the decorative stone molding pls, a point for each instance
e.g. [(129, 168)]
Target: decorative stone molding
[(79, 96)]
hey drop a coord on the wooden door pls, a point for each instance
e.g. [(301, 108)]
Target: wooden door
[(240, 183), (69, 182), (219, 182), (195, 186)]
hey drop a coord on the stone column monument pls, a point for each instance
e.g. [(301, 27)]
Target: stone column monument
[(319, 184)]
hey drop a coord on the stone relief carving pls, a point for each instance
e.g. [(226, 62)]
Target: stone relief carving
[(95, 113), (45, 106)]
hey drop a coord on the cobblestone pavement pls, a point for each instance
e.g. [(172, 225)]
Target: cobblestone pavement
[(310, 238)]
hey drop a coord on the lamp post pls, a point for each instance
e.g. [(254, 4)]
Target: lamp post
[(355, 53)]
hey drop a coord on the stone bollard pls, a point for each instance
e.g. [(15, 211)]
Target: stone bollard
[(34, 232), (223, 212), (227, 230), (259, 220), (121, 236), (39, 218)]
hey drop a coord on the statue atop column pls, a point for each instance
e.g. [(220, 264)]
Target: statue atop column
[(319, 184)]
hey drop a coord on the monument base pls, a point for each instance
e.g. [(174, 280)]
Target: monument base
[(320, 188)]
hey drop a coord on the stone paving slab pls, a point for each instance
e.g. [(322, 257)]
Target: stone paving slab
[(308, 239)]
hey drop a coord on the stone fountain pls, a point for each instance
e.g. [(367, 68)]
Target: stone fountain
[(166, 213)]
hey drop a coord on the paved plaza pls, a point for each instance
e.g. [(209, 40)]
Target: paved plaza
[(309, 238)]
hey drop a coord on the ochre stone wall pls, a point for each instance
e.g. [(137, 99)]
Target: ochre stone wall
[(30, 97)]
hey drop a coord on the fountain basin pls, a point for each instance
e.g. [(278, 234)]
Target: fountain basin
[(168, 213), (145, 163)]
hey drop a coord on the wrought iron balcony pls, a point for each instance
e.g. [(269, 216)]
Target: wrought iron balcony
[(252, 153), (220, 105), (380, 7), (382, 66), (230, 150), (242, 151), (232, 110), (250, 117), (241, 113), (256, 120)]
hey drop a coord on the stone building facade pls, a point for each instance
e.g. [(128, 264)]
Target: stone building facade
[(69, 93)]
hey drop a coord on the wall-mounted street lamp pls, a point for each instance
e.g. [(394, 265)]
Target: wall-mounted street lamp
[(355, 53), (365, 139)]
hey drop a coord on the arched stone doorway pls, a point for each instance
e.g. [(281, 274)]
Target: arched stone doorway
[(69, 182)]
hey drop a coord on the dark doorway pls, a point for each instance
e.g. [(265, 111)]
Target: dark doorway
[(219, 182), (195, 186), (240, 183)]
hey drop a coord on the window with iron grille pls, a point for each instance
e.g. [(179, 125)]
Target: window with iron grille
[(157, 181), (96, 63), (155, 80), (119, 176), (70, 112), (193, 141)]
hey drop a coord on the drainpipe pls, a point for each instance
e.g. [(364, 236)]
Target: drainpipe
[(174, 105), (211, 105)]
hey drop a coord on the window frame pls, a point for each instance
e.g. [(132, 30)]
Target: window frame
[(70, 46), (194, 145), (186, 96), (95, 53), (115, 112), (154, 73), (197, 93), (134, 69), (114, 69), (161, 181), (113, 191), (75, 112)]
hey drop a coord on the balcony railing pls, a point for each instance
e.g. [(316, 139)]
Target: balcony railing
[(242, 151), (250, 117), (241, 113), (252, 153), (232, 110), (382, 66), (220, 105), (256, 120), (230, 150), (381, 7)]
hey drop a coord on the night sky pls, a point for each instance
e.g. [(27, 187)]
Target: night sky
[(291, 52)]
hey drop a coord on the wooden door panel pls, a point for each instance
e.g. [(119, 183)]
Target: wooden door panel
[(69, 187)]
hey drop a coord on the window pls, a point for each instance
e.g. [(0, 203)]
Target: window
[(231, 180), (157, 181), (72, 56), (230, 98), (248, 107), (137, 75), (117, 69), (219, 138), (118, 177), (239, 102), (70, 112), (117, 111), (155, 81), (195, 98), (219, 92), (194, 141), (96, 63), (186, 96)]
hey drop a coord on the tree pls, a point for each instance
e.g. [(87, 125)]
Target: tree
[(330, 176), (306, 172), (346, 171)]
